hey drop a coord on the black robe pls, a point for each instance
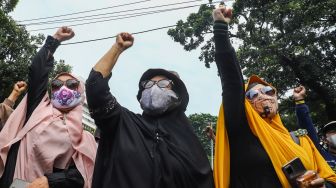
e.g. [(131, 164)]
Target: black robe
[(145, 151)]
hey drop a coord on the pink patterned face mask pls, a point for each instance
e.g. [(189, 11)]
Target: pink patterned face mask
[(65, 98)]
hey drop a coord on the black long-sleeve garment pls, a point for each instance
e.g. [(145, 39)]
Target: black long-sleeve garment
[(250, 165), (42, 64), (144, 151)]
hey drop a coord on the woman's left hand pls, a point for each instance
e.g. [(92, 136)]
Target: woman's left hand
[(310, 179), (318, 183), (41, 182)]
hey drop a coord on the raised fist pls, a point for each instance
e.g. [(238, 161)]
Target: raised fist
[(124, 40), (222, 13), (64, 33), (299, 93), (209, 132), (20, 87)]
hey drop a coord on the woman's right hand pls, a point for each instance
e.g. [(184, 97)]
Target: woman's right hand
[(124, 40), (222, 13), (64, 33)]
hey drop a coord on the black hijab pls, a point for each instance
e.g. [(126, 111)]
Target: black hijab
[(167, 153)]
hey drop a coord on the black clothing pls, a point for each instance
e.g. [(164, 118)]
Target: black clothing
[(250, 166), (42, 64), (141, 150)]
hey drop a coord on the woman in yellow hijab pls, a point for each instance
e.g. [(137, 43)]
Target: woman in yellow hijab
[(252, 145)]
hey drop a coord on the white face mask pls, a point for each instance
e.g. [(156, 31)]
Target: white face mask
[(65, 98), (157, 100), (332, 141)]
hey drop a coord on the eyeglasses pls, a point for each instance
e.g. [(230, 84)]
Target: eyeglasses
[(161, 83), (71, 84), (253, 93)]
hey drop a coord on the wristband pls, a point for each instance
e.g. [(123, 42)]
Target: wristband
[(301, 101)]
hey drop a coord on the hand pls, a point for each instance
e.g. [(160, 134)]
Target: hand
[(222, 13), (20, 87), (310, 179), (41, 182), (209, 132), (299, 93), (124, 40), (64, 33)]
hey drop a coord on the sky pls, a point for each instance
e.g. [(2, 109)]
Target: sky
[(150, 50)]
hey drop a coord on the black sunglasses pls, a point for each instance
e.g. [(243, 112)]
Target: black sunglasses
[(71, 84), (164, 83), (253, 93)]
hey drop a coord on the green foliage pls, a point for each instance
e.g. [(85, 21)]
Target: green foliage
[(286, 42), (17, 47), (59, 68), (191, 33), (199, 123)]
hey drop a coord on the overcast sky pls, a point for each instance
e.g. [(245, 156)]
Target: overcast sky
[(150, 50)]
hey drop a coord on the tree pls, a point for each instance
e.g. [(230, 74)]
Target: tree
[(17, 47), (286, 42), (199, 123)]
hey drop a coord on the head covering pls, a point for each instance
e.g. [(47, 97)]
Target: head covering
[(277, 142), (328, 127), (175, 159), (255, 80), (178, 85), (46, 124)]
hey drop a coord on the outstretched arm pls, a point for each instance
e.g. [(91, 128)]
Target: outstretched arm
[(102, 104), (230, 75), (6, 108), (42, 64), (304, 119), (107, 62)]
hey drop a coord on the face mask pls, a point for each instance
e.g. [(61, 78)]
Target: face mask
[(332, 141), (157, 100), (265, 105), (65, 98)]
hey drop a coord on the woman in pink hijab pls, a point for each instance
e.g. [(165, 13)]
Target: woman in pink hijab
[(43, 142)]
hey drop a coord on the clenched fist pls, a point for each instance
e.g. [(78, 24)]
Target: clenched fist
[(222, 13), (299, 93), (20, 87), (124, 40), (64, 33)]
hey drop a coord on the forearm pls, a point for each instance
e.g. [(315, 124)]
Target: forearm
[(232, 82), (104, 108), (13, 97), (6, 108), (226, 60), (39, 70), (107, 62), (305, 122)]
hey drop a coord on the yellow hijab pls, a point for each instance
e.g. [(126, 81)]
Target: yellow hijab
[(277, 142)]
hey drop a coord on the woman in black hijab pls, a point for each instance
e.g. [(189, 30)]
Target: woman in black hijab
[(157, 149)]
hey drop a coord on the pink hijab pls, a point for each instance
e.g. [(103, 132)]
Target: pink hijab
[(49, 139)]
